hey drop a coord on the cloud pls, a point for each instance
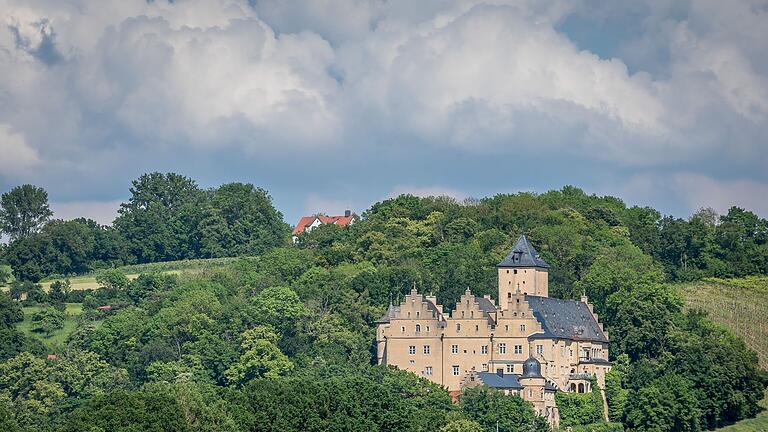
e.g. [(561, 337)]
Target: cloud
[(18, 156), (469, 93), (103, 212), (702, 191)]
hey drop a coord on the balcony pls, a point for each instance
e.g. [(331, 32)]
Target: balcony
[(580, 376)]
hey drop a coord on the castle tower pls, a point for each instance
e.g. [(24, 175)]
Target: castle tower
[(522, 271)]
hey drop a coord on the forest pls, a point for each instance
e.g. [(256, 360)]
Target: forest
[(281, 338)]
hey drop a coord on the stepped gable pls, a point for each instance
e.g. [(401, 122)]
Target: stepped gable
[(523, 255), (565, 319)]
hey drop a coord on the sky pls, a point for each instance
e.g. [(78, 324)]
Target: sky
[(337, 104)]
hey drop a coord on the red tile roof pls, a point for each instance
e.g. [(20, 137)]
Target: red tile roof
[(306, 221)]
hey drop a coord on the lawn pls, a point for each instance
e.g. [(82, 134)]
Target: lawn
[(57, 339)]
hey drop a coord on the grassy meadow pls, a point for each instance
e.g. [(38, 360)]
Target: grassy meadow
[(58, 337)]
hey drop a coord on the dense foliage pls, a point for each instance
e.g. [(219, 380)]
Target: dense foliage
[(282, 339), (168, 217)]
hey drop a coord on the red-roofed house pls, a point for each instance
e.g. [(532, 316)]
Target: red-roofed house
[(308, 223)]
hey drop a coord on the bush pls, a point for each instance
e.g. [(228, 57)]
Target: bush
[(47, 321), (599, 427), (580, 408)]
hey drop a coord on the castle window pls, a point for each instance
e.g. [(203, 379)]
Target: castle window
[(484, 349), (426, 349), (418, 328), (428, 370), (427, 329), (462, 314), (471, 314), (510, 368), (485, 367), (409, 314), (518, 349), (502, 348), (522, 327), (515, 271), (506, 328), (477, 328), (402, 329), (458, 328), (412, 350), (530, 393), (411, 362), (455, 370), (509, 295), (540, 349), (454, 349), (417, 314)]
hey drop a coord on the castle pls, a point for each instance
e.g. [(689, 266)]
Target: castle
[(528, 344)]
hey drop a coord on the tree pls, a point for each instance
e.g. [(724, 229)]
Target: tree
[(490, 408), (5, 275), (23, 211), (462, 425), (668, 404), (615, 393), (261, 357), (47, 321), (160, 220), (112, 279), (10, 311)]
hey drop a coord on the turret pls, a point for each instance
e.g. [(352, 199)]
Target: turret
[(522, 271)]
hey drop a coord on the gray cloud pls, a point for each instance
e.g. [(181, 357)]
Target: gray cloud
[(343, 101)]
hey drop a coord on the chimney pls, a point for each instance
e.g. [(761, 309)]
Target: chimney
[(347, 213)]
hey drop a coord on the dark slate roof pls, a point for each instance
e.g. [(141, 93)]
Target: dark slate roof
[(523, 255), (493, 380), (565, 319), (391, 312), (550, 386), (598, 361), (531, 368), (485, 305)]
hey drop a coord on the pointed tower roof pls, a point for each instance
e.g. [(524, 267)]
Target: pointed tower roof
[(523, 255)]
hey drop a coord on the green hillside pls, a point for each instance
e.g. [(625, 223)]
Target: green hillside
[(739, 304)]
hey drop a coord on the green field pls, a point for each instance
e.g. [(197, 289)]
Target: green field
[(88, 281), (57, 339), (738, 304)]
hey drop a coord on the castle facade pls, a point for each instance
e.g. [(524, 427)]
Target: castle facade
[(528, 344)]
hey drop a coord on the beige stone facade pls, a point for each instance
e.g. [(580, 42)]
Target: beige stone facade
[(540, 344)]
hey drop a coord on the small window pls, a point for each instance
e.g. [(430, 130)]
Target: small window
[(411, 362), (518, 349), (509, 295), (454, 349), (502, 348), (462, 314), (510, 368), (428, 370), (485, 367), (484, 349), (477, 328), (522, 327), (426, 349), (515, 271), (412, 350), (507, 271), (427, 329), (540, 349), (455, 370), (418, 328), (402, 329), (409, 314), (458, 327), (417, 312)]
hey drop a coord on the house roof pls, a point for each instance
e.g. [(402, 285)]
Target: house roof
[(494, 380), (306, 221), (565, 319), (391, 312), (523, 255)]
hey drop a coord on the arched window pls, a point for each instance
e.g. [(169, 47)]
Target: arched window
[(458, 327), (418, 328)]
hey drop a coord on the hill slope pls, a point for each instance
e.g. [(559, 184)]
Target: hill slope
[(739, 304)]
